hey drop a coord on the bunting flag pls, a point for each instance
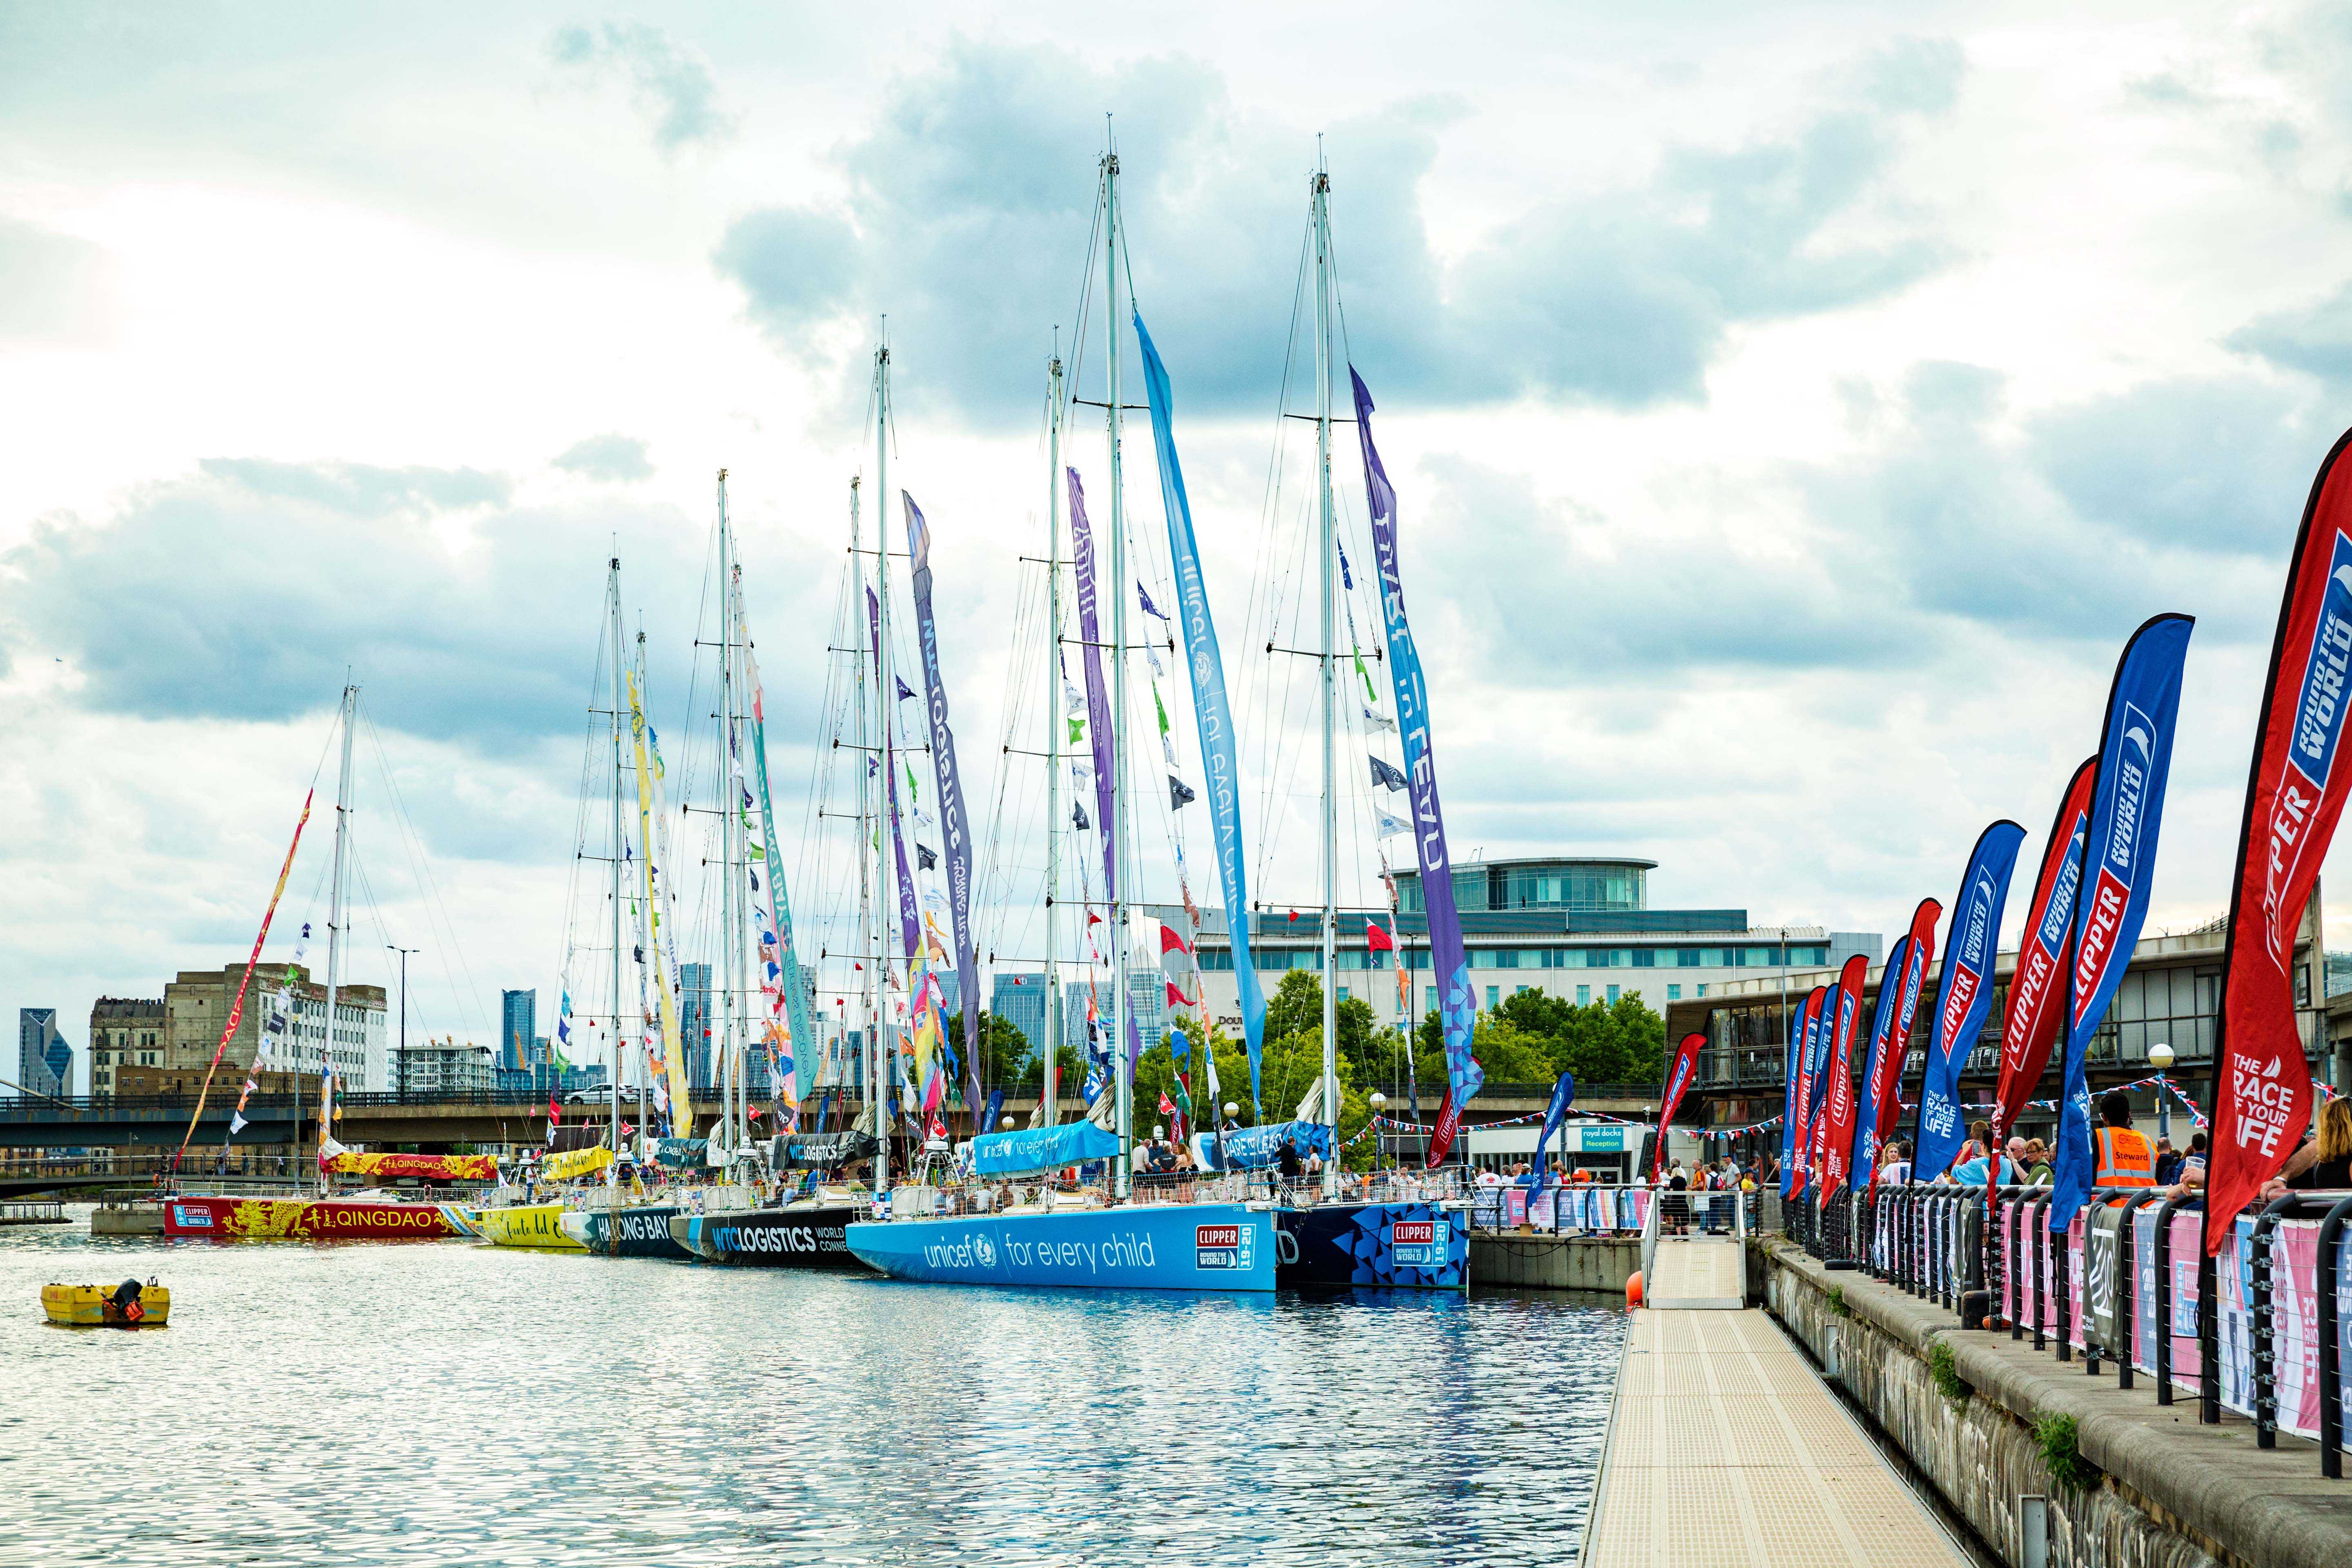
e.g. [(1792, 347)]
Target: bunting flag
[(904, 690), (2029, 1026), (1838, 1103), (1800, 1110), (1178, 797), (1386, 776), (1387, 827), (1678, 1078), (236, 1007), (1919, 950), (1963, 995), (786, 1027), (1148, 607), (1099, 728), (1373, 716), (908, 934), (1213, 712), (672, 1057), (1456, 1010), (1378, 940), (2262, 1088), (2119, 865)]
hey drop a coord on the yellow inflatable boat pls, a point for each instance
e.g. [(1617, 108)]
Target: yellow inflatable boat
[(129, 1305)]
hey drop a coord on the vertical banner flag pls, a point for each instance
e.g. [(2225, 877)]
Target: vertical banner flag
[(909, 931), (1794, 1063), (952, 820), (1678, 1078), (1917, 957), (1819, 1093), (1800, 1110), (2030, 1025), (657, 959), (2119, 865), (1837, 1105), (1863, 1158), (1563, 1094), (1212, 713), (1099, 729), (795, 1068), (1963, 995), (1448, 963), (2262, 1091)]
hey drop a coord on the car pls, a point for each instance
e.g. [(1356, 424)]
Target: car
[(594, 1094)]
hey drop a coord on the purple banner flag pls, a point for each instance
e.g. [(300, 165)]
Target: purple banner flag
[(909, 926), (1098, 730)]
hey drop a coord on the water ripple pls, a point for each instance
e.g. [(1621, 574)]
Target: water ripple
[(449, 1402)]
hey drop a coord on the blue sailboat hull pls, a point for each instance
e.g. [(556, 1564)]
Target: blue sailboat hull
[(1185, 1247), (1404, 1246)]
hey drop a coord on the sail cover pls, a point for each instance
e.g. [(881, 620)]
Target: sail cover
[(823, 1150), (1220, 766), (1254, 1148), (1041, 1148), (430, 1167)]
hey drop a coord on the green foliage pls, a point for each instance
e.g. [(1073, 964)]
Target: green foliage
[(1837, 1302), (2062, 1454), (1945, 1367), (1003, 1051), (1531, 1037)]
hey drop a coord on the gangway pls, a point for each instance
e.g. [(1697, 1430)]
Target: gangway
[(1695, 1252)]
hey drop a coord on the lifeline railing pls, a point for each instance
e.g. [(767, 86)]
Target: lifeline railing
[(2258, 1328)]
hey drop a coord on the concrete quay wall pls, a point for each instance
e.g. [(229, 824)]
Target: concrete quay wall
[(1526, 1260), (2170, 1493)]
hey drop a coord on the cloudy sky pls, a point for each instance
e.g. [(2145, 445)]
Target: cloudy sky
[(1791, 416)]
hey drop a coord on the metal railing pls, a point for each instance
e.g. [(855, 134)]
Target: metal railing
[(2260, 1331)]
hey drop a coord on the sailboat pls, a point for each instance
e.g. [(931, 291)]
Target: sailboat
[(371, 1214), (1410, 1243), (1072, 1240)]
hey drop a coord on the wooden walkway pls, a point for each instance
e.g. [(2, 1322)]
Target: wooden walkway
[(1725, 1450)]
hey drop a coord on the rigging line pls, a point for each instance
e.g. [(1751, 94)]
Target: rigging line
[(413, 844)]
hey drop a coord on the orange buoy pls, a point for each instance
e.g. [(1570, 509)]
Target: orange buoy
[(1634, 1288)]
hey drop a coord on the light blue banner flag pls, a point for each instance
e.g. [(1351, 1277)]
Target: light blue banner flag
[(1254, 1148), (1881, 1025), (2119, 847), (1963, 995), (1212, 713)]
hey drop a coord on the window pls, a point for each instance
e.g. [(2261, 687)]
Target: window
[(1643, 958), (1583, 996), (1343, 996), (1702, 991), (1674, 994), (1612, 996), (1520, 992), (1494, 998)]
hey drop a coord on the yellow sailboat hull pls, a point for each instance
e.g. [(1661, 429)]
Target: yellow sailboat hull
[(528, 1225)]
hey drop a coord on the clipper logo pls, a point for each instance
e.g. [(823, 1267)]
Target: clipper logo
[(2310, 762), (2029, 991), (2111, 890), (1227, 1247), (1413, 1244), (1968, 968)]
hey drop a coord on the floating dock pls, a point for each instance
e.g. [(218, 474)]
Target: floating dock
[(1727, 1451)]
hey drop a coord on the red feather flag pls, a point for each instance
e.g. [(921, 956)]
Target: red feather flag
[(2261, 1084), (2030, 1026), (1835, 1153)]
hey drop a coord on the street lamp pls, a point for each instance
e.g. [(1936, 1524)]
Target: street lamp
[(403, 1069), (2159, 1057), (1378, 1102)]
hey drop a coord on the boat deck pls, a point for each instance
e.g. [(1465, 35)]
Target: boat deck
[(1727, 1451)]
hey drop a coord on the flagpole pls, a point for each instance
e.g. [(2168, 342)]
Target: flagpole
[(1122, 1075), (1319, 186), (1048, 1085), (612, 1184), (884, 707)]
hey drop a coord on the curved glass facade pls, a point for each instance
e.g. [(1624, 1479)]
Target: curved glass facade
[(1540, 885)]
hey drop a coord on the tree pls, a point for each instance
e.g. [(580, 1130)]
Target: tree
[(1296, 1007), (1003, 1052), (1537, 1036)]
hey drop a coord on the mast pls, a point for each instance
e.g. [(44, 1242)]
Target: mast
[(335, 929), (620, 699), (883, 688), (730, 859), (869, 842), (1321, 184), (1123, 1073), (1048, 1086), (644, 1066)]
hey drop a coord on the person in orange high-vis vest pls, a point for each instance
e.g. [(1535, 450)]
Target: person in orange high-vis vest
[(2126, 1157)]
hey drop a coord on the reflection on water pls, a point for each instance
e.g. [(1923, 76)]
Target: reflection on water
[(454, 1403)]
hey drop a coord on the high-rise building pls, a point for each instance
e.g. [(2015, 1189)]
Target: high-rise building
[(950, 992), (518, 1027), (123, 1032), (1020, 1000), (694, 1022), (43, 1060)]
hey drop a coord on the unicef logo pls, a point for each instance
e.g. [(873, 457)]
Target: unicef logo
[(983, 1249)]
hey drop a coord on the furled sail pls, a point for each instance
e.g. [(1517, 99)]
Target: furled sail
[(673, 1058)]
